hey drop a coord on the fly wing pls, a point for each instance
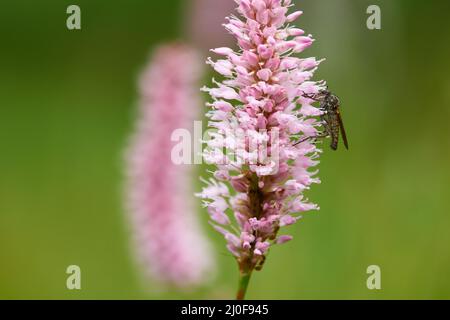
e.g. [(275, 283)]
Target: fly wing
[(341, 126)]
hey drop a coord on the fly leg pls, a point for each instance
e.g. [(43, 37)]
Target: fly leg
[(319, 136), (311, 96)]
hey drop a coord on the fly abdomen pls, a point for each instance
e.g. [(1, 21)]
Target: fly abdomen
[(334, 143), (334, 135)]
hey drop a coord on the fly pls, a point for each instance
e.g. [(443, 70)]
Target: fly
[(331, 117)]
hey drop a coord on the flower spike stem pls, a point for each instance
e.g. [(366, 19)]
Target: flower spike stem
[(244, 278)]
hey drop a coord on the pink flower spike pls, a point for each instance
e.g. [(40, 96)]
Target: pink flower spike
[(262, 111), (170, 243)]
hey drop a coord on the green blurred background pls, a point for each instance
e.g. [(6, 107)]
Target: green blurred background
[(67, 105)]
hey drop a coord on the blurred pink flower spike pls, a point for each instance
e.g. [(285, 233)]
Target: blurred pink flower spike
[(262, 95), (203, 25), (169, 240)]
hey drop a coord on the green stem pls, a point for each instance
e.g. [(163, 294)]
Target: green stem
[(244, 278)]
